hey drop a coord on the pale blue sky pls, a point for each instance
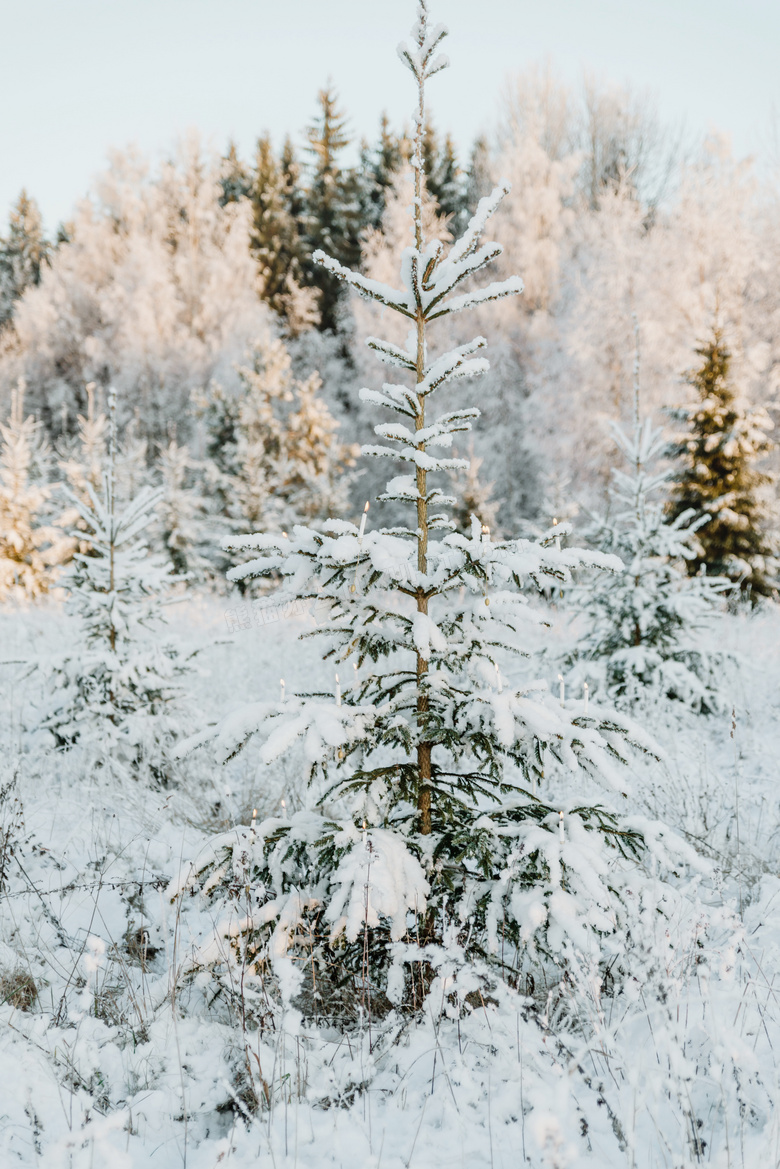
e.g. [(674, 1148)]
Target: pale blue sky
[(80, 76)]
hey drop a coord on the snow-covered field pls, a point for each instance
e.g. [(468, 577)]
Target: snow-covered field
[(112, 1054)]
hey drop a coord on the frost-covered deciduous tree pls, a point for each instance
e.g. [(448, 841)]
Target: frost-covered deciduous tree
[(458, 820), (114, 691), (31, 547), (156, 293), (718, 475)]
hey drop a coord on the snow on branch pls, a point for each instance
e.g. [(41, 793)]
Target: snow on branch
[(423, 460), (391, 354), (486, 207), (454, 364), (450, 275), (370, 289), (448, 424), (496, 291), (438, 434), (378, 399), (397, 432)]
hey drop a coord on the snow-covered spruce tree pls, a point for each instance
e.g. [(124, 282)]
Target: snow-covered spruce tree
[(433, 841), (640, 637), (31, 547), (718, 476), (114, 690)]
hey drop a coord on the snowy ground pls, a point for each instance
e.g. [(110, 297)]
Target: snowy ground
[(110, 1055)]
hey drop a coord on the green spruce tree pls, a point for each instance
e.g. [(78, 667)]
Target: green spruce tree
[(443, 176), (379, 165), (235, 179), (718, 476), (332, 215), (23, 253), (275, 237)]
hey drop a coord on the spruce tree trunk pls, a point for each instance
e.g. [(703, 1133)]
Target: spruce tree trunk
[(423, 748)]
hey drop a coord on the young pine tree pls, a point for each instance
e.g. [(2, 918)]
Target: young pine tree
[(31, 547), (114, 692), (717, 476), (640, 642), (436, 837)]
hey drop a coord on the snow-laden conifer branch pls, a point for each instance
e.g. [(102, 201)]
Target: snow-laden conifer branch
[(428, 279), (404, 489), (420, 458), (496, 291), (109, 525), (468, 242), (391, 354), (370, 289), (402, 403), (454, 364), (438, 434), (456, 273)]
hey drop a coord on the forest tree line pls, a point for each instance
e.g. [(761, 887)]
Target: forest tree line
[(237, 360)]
